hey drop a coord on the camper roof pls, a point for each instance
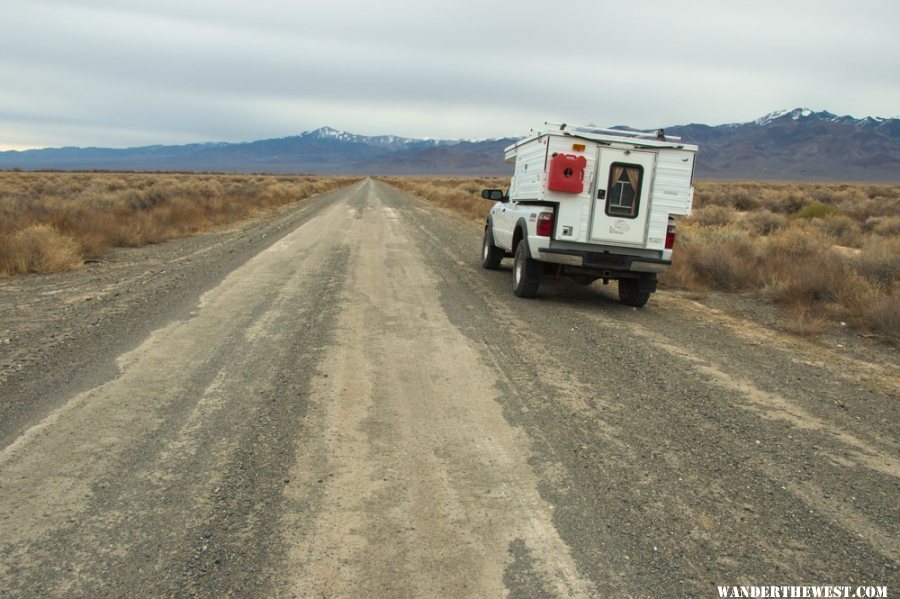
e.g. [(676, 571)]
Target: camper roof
[(655, 139)]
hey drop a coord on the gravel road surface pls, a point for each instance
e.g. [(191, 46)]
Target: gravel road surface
[(338, 401)]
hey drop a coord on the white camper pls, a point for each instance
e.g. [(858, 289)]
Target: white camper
[(591, 204)]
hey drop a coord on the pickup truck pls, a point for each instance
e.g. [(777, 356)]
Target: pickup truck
[(590, 204)]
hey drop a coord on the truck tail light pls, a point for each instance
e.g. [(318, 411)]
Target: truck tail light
[(545, 224), (670, 234)]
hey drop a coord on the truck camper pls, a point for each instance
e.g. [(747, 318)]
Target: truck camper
[(590, 204)]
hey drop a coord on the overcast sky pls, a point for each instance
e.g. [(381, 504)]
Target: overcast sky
[(134, 72)]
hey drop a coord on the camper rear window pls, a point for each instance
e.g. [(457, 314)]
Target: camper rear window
[(624, 190)]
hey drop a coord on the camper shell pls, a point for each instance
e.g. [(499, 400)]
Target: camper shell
[(610, 197)]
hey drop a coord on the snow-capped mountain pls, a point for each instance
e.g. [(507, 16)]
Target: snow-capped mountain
[(799, 144), (379, 140), (796, 144), (798, 114), (794, 114)]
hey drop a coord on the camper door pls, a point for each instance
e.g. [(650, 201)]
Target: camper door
[(622, 197)]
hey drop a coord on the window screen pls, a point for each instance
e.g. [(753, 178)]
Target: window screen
[(624, 190)]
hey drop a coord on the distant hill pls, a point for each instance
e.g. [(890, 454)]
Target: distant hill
[(794, 144)]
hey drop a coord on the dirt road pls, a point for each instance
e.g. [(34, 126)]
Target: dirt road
[(341, 402)]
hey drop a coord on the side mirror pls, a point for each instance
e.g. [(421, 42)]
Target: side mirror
[(495, 195)]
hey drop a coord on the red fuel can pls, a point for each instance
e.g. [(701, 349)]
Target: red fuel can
[(566, 173)]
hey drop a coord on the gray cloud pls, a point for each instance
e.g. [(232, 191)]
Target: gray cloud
[(102, 72)]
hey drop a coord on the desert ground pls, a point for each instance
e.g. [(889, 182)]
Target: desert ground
[(326, 395)]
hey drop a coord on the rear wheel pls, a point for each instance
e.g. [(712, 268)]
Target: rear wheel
[(491, 255), (630, 293), (526, 272)]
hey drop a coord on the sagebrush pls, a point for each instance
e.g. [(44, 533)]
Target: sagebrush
[(462, 196), (821, 252), (54, 221)]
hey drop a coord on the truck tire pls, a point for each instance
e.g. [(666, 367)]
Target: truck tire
[(491, 255), (526, 272), (630, 293)]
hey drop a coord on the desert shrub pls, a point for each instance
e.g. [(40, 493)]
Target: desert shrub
[(817, 210), (808, 281), (829, 195), (38, 249), (888, 192), (709, 194), (771, 199), (879, 259), (887, 226), (715, 258), (737, 195), (843, 229), (881, 315), (801, 267), (835, 193), (764, 222), (744, 199), (880, 201), (805, 320), (713, 215), (791, 202), (796, 243)]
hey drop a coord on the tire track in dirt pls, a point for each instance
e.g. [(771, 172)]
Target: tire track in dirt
[(426, 489)]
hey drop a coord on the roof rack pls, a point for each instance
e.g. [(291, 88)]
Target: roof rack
[(659, 134)]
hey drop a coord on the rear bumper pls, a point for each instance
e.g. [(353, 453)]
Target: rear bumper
[(604, 261)]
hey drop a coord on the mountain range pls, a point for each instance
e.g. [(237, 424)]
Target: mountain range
[(797, 144)]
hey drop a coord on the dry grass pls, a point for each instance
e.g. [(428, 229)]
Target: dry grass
[(462, 196), (822, 252), (53, 221)]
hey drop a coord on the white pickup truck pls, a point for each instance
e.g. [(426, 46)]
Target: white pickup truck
[(590, 204)]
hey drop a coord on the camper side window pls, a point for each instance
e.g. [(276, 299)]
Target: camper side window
[(624, 190)]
